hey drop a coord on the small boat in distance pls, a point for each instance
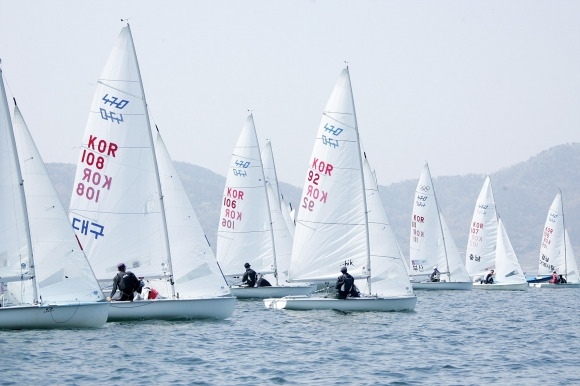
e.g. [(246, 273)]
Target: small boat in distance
[(45, 278), (489, 246), (431, 243), (556, 254)]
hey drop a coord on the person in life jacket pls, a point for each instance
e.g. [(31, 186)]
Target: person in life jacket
[(126, 282), (344, 284), (489, 277), (262, 282), (555, 279), (249, 276), (436, 275)]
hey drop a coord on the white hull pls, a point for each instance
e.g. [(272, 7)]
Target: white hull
[(173, 309), (352, 304), (270, 292), (79, 315), (552, 285), (443, 285), (504, 286)]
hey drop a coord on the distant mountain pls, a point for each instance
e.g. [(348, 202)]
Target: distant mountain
[(523, 193)]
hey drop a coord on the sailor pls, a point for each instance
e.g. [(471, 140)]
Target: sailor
[(126, 282), (436, 275), (249, 276), (344, 284), (489, 277), (555, 279), (262, 282)]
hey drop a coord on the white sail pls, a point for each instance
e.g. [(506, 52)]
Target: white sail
[(480, 252), (271, 176), (116, 207), (331, 225), (245, 229), (457, 270), (282, 238), (572, 274), (15, 244), (555, 250), (389, 272), (63, 273), (196, 272), (507, 267), (427, 244), (288, 216), (45, 278), (431, 242)]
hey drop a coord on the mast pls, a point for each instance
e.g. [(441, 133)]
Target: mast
[(364, 195), (24, 208), (267, 200), (157, 179), (439, 220)]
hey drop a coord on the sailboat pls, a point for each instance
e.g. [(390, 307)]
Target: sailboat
[(45, 278), (556, 254), (246, 226), (489, 247), (332, 224), (431, 243), (129, 206)]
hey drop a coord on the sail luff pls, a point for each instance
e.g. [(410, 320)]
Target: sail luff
[(364, 196), (156, 167)]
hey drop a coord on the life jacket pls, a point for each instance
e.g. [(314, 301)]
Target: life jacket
[(347, 285), (128, 282)]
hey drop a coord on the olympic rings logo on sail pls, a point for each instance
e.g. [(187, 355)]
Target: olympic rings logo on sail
[(424, 188)]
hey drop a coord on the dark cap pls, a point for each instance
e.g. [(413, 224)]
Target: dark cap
[(121, 266), (343, 269), (247, 265)]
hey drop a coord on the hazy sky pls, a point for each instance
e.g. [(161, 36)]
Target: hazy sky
[(469, 86)]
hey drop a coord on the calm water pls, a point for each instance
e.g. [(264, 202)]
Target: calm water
[(461, 338)]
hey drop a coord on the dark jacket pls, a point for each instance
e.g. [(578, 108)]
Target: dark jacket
[(127, 283), (344, 284), (263, 283), (249, 277)]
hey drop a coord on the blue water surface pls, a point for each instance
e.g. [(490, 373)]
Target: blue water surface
[(452, 338)]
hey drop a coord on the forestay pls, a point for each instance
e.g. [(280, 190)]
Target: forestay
[(331, 224)]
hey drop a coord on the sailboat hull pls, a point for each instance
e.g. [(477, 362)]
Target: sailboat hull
[(49, 316), (502, 286), (552, 285), (443, 285), (347, 305), (270, 292), (173, 309)]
